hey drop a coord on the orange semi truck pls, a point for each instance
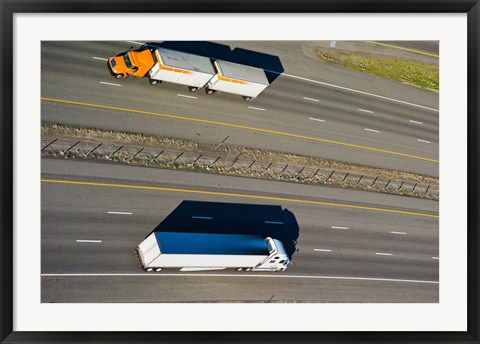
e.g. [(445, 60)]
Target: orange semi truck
[(194, 71)]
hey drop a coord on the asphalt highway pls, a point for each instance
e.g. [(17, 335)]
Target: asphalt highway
[(301, 112), (352, 246)]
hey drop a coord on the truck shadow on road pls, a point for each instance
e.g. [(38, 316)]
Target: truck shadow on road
[(234, 218), (269, 63)]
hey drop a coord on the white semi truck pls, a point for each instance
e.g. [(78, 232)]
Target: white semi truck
[(205, 251)]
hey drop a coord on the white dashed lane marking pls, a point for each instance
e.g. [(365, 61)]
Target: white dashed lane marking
[(96, 241), (316, 119), (311, 99), (119, 213), (383, 254), (321, 250), (372, 130), (108, 83), (424, 141), (335, 227), (256, 108), (99, 58), (399, 233), (185, 96), (367, 111), (416, 122)]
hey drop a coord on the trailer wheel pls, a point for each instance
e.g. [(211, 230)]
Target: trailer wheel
[(247, 99), (192, 89), (239, 269), (153, 82), (148, 269), (209, 91), (119, 76), (158, 269), (248, 269)]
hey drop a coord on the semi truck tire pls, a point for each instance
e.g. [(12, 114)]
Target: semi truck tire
[(158, 269), (153, 82), (148, 269), (209, 91), (247, 99), (192, 89)]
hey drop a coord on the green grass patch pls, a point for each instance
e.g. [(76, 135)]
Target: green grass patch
[(409, 72)]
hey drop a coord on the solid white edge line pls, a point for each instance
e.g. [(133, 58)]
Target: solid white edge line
[(316, 119), (354, 90), (119, 213), (243, 276), (185, 96), (423, 141), (368, 111), (135, 42), (99, 58), (89, 240), (416, 122), (399, 233), (384, 254), (372, 130), (313, 100), (108, 83), (335, 227), (321, 250), (256, 108)]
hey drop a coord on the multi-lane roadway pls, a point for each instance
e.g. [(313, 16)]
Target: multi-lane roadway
[(352, 246)]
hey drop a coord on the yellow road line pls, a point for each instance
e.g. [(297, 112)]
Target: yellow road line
[(403, 48), (237, 126), (227, 194)]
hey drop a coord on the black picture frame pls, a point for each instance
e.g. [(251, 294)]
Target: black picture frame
[(10, 7)]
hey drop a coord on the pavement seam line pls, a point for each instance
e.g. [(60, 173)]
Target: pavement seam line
[(239, 275), (293, 200), (238, 126), (404, 48)]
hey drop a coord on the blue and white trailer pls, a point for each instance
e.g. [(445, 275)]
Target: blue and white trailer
[(204, 251)]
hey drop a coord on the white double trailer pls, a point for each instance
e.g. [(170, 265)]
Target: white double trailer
[(204, 251), (239, 79), (198, 71)]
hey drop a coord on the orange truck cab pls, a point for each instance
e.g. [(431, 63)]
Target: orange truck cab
[(136, 63)]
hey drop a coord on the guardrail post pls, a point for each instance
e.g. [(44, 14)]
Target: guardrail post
[(428, 187), (109, 157), (280, 174), (414, 188), (358, 181), (133, 157), (233, 161), (344, 177), (297, 175), (194, 161), (225, 139), (266, 169), (174, 160), (386, 186), (400, 187), (210, 166), (65, 152), (93, 150), (314, 175), (373, 183), (155, 157), (330, 176), (49, 144)]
